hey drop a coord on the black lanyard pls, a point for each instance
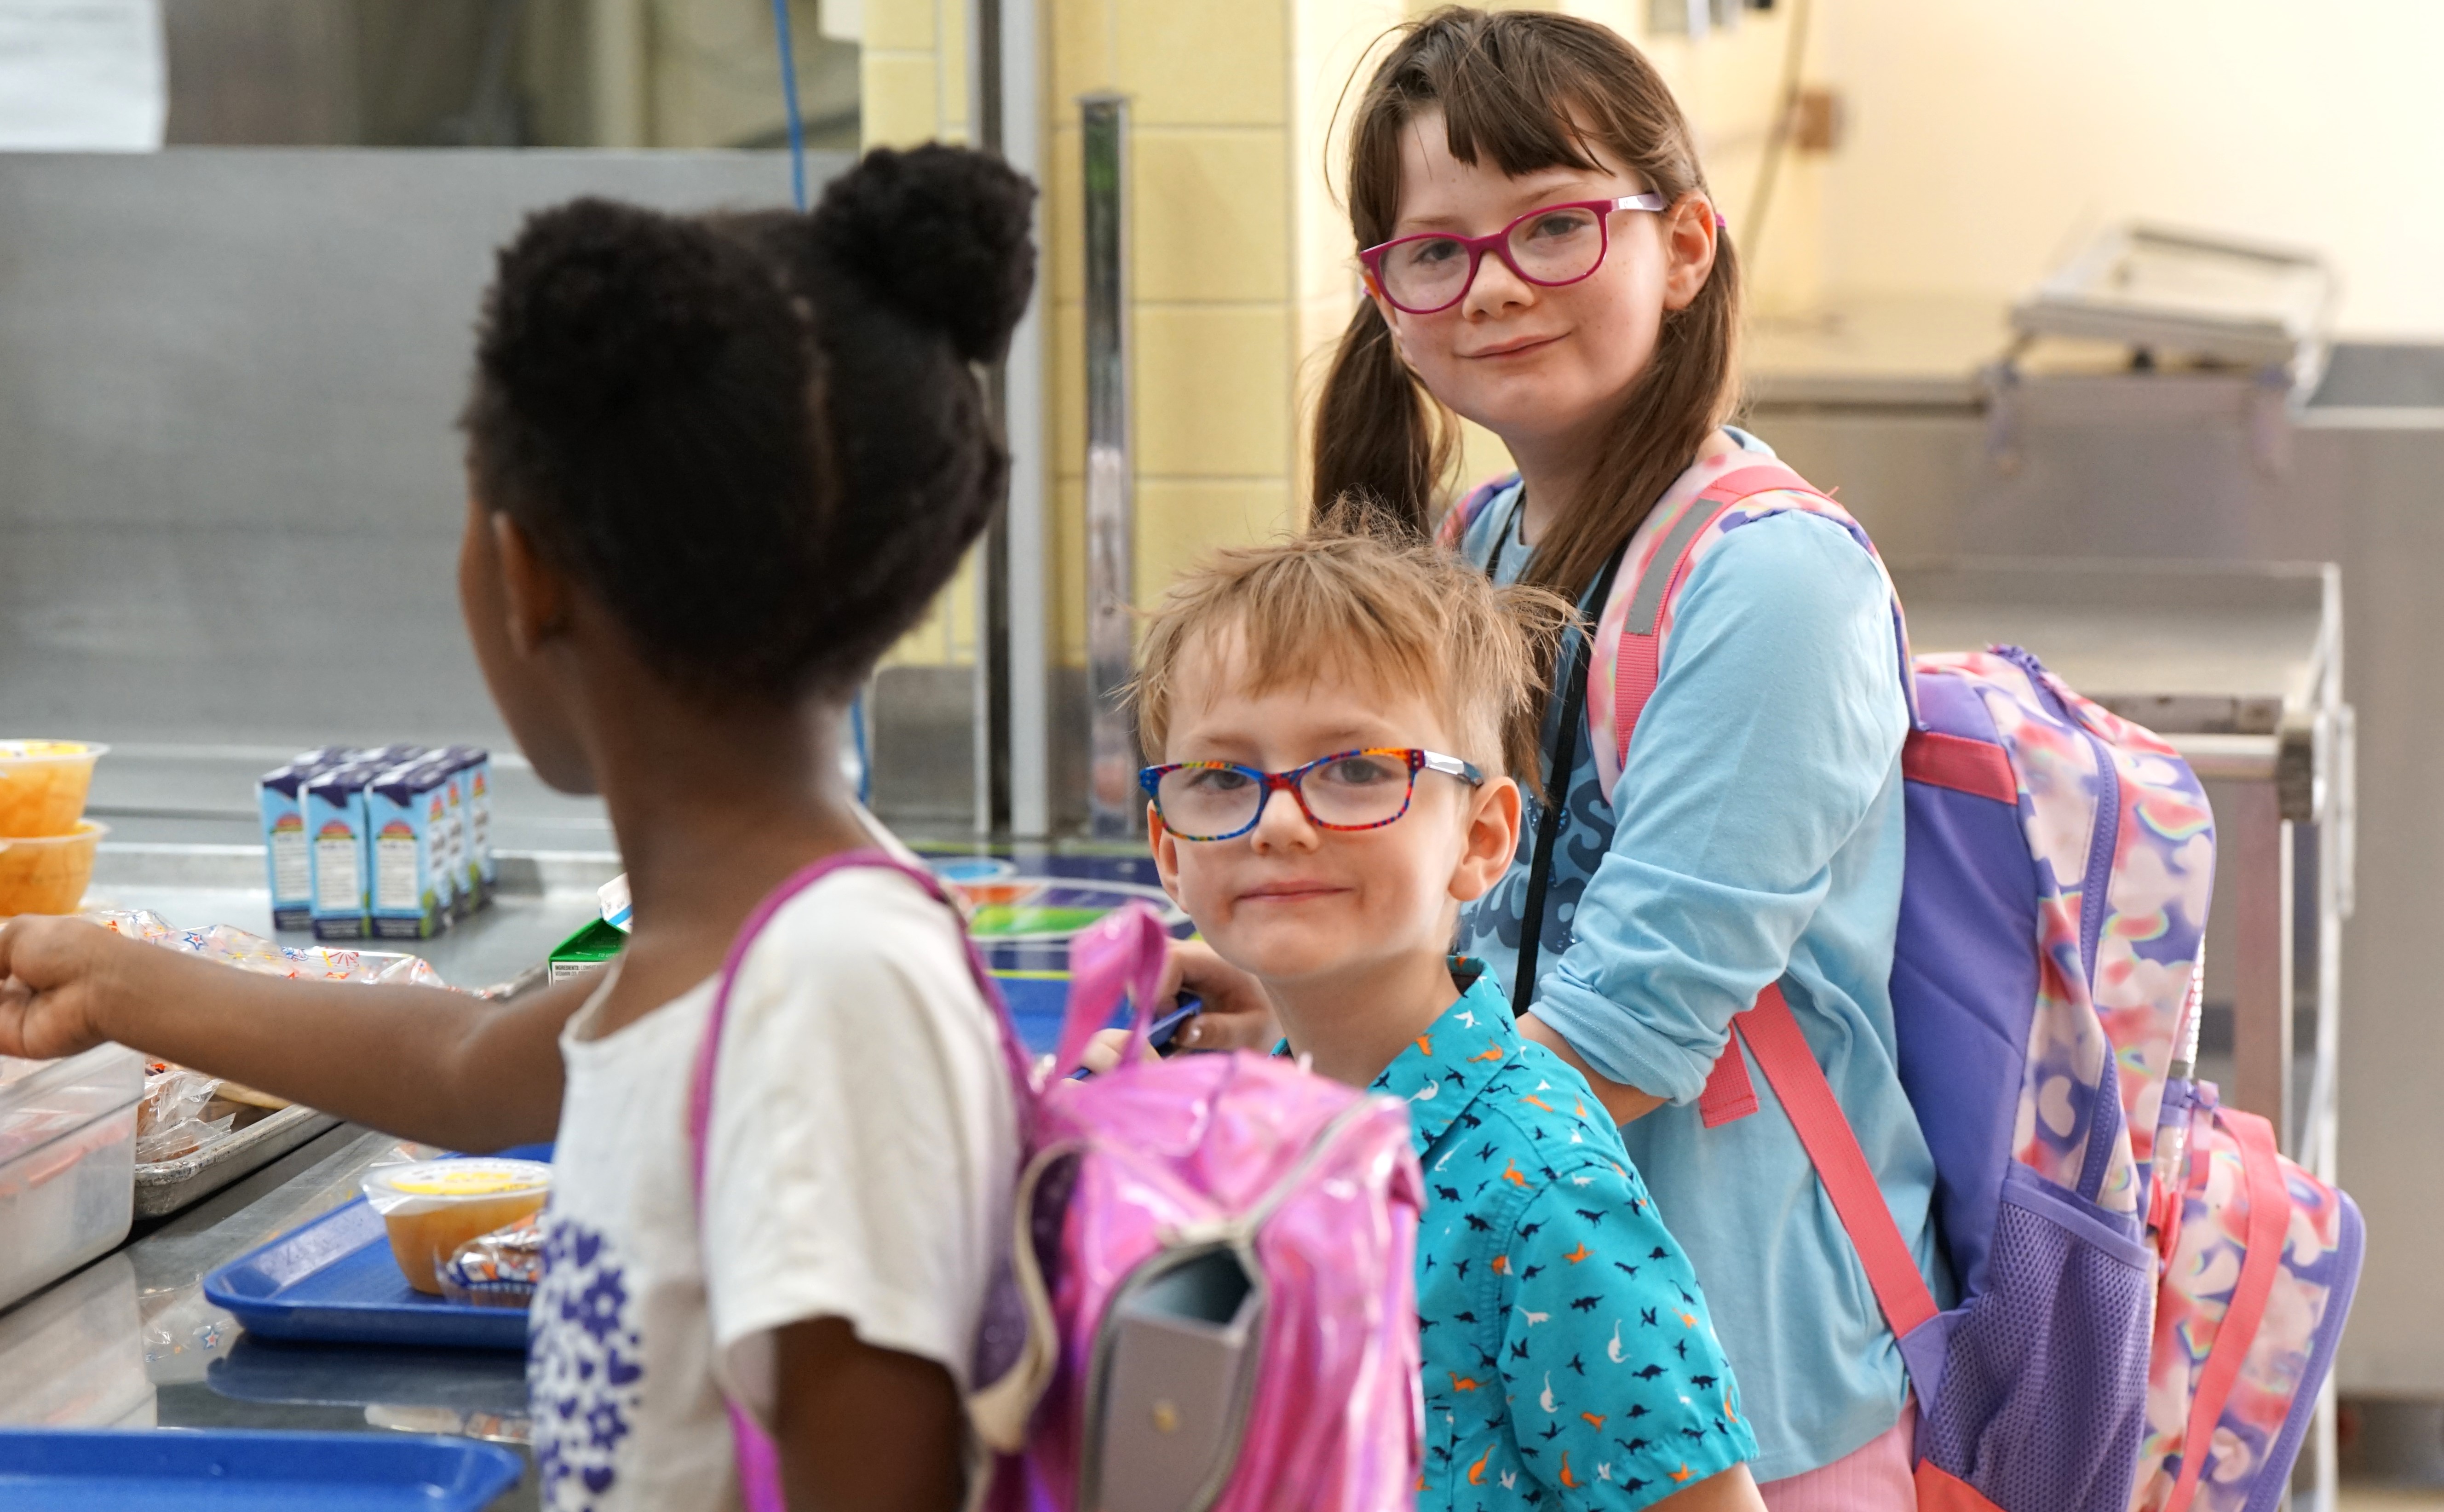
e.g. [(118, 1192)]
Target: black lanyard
[(1557, 783)]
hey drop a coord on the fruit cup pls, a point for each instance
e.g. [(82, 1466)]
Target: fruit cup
[(434, 1207), (47, 874), (43, 784)]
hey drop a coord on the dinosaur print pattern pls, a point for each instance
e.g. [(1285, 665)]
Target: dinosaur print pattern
[(1569, 1357)]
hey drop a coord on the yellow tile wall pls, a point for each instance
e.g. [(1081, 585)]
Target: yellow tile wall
[(1239, 239), (913, 88), (1213, 206)]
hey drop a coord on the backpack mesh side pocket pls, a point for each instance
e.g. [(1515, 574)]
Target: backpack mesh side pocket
[(2043, 1399)]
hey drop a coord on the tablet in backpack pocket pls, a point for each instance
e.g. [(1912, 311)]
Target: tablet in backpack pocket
[(1174, 1371)]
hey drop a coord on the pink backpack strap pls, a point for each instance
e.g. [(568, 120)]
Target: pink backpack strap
[(1651, 590), (2270, 1220), (1455, 520), (759, 1459), (1773, 1035)]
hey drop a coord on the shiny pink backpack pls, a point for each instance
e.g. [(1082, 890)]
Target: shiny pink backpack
[(1212, 1297)]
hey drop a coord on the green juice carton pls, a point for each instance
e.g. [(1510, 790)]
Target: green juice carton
[(592, 948)]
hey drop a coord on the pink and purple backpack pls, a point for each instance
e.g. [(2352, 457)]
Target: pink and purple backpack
[(1212, 1298), (2150, 1294)]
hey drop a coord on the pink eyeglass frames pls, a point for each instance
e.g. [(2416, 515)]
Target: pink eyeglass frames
[(1556, 245)]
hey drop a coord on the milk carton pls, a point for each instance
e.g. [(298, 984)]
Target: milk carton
[(280, 802), (278, 798), (482, 872), (407, 821), (339, 860), (454, 779)]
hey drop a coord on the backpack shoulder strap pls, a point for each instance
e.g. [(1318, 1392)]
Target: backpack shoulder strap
[(759, 1458), (1453, 528), (1773, 1035), (1637, 617)]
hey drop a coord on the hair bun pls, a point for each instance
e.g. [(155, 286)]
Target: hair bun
[(942, 234)]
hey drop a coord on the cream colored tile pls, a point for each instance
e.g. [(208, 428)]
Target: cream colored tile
[(947, 636), (1065, 211), (898, 24), (1213, 390), (1080, 33), (1067, 400), (1180, 520), (899, 106), (1205, 62), (1212, 215)]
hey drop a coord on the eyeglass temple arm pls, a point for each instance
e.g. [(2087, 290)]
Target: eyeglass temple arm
[(1452, 766)]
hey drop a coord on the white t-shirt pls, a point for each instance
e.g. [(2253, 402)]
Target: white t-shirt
[(863, 1148)]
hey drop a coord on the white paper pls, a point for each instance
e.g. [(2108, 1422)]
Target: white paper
[(81, 76)]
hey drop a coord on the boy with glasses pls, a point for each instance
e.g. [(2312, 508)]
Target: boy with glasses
[(1333, 716)]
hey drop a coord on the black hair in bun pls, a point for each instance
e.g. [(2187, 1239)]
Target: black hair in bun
[(758, 437), (941, 233)]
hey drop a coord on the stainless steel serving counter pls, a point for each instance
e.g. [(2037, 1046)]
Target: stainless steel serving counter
[(130, 1341)]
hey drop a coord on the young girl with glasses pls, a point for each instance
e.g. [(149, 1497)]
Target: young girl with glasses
[(716, 466), (1542, 256), (1333, 717)]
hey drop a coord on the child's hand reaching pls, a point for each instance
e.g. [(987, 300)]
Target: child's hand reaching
[(52, 973), (1236, 1015)]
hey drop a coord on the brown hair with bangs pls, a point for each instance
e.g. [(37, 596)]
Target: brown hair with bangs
[(1403, 612), (1527, 90)]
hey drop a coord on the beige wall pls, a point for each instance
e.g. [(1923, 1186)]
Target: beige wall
[(1993, 134)]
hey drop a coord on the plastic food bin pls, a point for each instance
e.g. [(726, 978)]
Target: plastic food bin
[(48, 874), (67, 1163), (43, 784)]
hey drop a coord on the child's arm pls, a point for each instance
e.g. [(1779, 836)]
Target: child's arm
[(439, 1067), (1620, 1386), (863, 1430)]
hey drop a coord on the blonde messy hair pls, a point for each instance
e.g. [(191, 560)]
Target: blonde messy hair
[(1403, 612)]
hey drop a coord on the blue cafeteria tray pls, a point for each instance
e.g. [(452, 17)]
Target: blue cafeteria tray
[(87, 1471), (333, 1280)]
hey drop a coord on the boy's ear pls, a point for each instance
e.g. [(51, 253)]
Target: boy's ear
[(1165, 846), (536, 594), (1492, 842)]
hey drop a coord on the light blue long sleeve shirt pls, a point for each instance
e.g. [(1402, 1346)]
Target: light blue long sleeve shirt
[(1755, 836)]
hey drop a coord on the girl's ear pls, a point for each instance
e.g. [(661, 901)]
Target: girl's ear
[(1391, 318), (1491, 840), (1688, 232), (535, 594)]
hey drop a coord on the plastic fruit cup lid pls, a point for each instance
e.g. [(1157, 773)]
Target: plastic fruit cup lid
[(49, 750), (433, 1184)]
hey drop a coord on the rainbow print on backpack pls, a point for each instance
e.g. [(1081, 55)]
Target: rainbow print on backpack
[(2150, 1294)]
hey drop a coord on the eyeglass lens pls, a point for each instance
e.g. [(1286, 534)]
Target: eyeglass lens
[(1348, 792), (1553, 247)]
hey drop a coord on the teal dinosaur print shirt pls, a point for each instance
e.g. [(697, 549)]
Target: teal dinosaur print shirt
[(1570, 1358)]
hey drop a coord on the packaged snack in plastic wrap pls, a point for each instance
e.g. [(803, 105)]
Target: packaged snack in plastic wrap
[(498, 1269), (173, 1119), (253, 953)]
